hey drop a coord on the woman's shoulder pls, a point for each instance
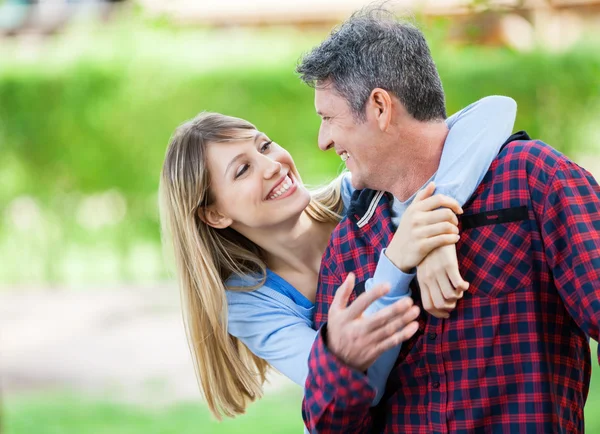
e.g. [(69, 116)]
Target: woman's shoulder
[(265, 296), (259, 290)]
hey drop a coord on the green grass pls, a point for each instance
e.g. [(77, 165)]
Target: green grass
[(70, 414), (277, 413)]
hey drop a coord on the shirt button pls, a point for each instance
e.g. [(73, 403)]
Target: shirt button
[(432, 336), (436, 385)]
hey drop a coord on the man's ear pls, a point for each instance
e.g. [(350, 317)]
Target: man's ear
[(212, 217), (380, 106)]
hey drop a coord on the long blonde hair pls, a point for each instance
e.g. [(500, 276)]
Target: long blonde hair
[(230, 376)]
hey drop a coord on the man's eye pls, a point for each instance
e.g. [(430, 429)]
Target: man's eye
[(242, 170), (266, 146)]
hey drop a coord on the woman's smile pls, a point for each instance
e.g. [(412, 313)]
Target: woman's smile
[(286, 187)]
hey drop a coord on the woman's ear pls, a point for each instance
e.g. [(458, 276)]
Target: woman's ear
[(214, 218)]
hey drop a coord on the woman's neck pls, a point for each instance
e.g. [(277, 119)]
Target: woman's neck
[(297, 248)]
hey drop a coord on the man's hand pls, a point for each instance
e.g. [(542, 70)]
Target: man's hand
[(428, 223), (440, 281), (358, 340)]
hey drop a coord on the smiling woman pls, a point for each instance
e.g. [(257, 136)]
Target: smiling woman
[(250, 181)]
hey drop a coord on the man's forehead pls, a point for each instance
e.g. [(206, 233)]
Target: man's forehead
[(326, 99)]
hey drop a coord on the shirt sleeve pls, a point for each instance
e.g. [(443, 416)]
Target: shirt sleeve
[(337, 398), (347, 190), (570, 225), (272, 332), (476, 135), (386, 272)]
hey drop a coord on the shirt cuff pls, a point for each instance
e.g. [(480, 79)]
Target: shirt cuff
[(346, 386), (387, 272)]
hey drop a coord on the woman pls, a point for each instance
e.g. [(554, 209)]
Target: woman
[(248, 238)]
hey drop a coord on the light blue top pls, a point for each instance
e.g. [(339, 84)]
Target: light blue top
[(275, 320)]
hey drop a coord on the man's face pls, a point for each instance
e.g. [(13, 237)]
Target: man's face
[(354, 140)]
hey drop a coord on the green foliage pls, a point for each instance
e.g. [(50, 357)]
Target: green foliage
[(99, 121)]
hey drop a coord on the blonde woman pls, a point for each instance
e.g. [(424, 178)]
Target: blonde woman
[(248, 237)]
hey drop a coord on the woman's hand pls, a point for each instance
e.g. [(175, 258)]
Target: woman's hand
[(440, 281), (428, 223)]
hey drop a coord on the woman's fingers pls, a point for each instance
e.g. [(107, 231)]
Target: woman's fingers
[(439, 201), (435, 229), (437, 216), (424, 193)]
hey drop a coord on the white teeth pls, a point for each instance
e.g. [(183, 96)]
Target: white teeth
[(285, 186), (344, 156)]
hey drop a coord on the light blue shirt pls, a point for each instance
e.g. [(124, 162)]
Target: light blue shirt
[(275, 320)]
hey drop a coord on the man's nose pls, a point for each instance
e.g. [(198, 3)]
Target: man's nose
[(324, 139)]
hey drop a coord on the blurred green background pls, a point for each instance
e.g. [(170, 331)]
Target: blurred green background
[(85, 117)]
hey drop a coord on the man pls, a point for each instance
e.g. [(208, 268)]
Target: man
[(514, 355)]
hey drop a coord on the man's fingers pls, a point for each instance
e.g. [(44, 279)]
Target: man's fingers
[(342, 295), (448, 291), (438, 299), (388, 315), (428, 302), (400, 321), (396, 339), (364, 300), (457, 281), (425, 192)]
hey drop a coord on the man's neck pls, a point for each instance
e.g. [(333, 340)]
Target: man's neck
[(419, 164)]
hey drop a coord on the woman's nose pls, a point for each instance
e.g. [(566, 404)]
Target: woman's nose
[(273, 168)]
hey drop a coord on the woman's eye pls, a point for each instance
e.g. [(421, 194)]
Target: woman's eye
[(241, 171), (265, 147)]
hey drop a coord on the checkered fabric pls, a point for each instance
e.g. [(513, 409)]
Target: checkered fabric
[(514, 356)]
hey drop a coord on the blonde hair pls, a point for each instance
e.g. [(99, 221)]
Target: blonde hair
[(230, 376)]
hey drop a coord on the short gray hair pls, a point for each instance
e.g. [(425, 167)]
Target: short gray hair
[(374, 49)]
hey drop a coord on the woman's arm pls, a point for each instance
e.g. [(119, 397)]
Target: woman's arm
[(272, 331), (476, 135)]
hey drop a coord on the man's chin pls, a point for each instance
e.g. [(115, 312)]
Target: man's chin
[(357, 182)]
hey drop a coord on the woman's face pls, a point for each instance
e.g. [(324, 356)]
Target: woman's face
[(254, 184)]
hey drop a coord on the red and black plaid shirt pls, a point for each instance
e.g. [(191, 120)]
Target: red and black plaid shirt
[(514, 356)]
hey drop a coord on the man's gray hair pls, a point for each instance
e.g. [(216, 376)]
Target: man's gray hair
[(373, 49)]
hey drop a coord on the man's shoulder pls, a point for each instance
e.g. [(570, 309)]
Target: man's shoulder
[(536, 153)]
